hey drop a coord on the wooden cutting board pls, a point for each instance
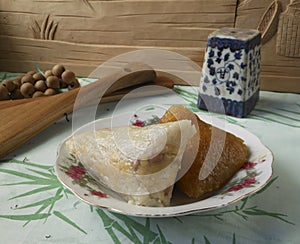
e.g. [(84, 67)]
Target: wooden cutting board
[(21, 120)]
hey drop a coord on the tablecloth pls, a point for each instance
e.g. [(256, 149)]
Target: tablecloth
[(36, 208)]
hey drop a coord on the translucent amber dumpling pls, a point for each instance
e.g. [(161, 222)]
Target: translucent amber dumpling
[(219, 155)]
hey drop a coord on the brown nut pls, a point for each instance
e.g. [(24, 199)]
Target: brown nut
[(48, 73), (27, 89), (52, 82), (27, 79), (17, 82), (16, 94), (68, 76), (10, 86), (3, 93), (40, 85), (37, 94), (38, 76), (20, 76), (62, 84), (74, 85), (30, 72), (57, 70), (50, 92)]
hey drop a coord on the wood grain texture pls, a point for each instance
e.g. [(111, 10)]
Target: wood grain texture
[(21, 120), (288, 38), (83, 34), (278, 73), (20, 54), (269, 21), (137, 23), (87, 33)]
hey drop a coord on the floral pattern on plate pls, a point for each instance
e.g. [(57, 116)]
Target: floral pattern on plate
[(75, 170), (252, 177)]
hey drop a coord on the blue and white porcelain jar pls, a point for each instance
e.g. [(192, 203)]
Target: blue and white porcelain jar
[(230, 73)]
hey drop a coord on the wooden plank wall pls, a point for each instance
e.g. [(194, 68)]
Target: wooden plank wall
[(82, 34), (279, 73)]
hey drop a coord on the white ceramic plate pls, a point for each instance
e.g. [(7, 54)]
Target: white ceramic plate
[(250, 179)]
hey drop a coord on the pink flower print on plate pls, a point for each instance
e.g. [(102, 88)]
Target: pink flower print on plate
[(245, 183), (76, 172), (249, 165)]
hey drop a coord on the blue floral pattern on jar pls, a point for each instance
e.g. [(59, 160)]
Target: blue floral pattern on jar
[(231, 69)]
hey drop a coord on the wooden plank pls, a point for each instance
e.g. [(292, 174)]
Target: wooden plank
[(87, 33), (280, 83), (22, 121), (160, 23), (19, 54), (278, 73)]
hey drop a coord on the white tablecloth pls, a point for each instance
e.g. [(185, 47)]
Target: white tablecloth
[(35, 209)]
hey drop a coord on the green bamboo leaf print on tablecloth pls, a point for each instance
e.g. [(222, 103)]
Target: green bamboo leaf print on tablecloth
[(276, 113), (48, 194), (46, 181), (115, 224)]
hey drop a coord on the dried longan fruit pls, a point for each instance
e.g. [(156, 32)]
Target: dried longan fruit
[(4, 95), (17, 82), (48, 73), (10, 86), (74, 84), (27, 89), (57, 70), (40, 85), (62, 84), (38, 76), (68, 76), (52, 82), (38, 94), (16, 94), (50, 92), (30, 72), (20, 76), (27, 79)]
